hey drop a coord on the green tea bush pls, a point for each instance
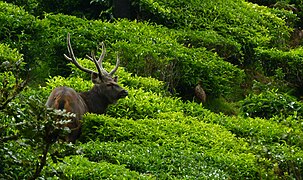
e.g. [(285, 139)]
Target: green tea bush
[(79, 167), (266, 137), (248, 23), (277, 139), (169, 148), (83, 9), (290, 62), (20, 30), (270, 103), (145, 50), (266, 2), (276, 130), (169, 136), (31, 6), (140, 104), (11, 67), (162, 163), (226, 47), (294, 6), (17, 25), (8, 54), (286, 160)]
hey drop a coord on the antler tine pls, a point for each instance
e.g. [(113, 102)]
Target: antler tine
[(93, 58), (102, 55), (72, 57), (96, 63), (116, 67)]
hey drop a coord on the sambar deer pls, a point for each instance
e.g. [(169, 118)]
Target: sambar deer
[(104, 92)]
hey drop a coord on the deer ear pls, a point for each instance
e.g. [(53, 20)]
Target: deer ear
[(95, 78), (116, 78)]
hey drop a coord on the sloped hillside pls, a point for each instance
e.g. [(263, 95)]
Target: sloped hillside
[(237, 51)]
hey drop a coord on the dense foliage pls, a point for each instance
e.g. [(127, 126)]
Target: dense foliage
[(160, 131), (287, 64), (271, 103)]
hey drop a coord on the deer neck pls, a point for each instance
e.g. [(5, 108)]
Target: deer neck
[(95, 102)]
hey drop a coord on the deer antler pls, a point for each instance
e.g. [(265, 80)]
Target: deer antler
[(93, 58), (102, 55), (73, 59), (116, 67)]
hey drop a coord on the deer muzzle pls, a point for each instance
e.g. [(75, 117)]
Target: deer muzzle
[(123, 94)]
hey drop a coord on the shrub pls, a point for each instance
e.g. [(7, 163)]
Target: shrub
[(270, 103), (256, 130), (11, 66), (170, 136), (248, 23), (176, 147), (147, 50), (79, 167), (9, 55), (82, 8), (289, 62), (20, 30), (226, 47), (27, 128), (17, 25), (294, 6), (144, 50), (31, 6)]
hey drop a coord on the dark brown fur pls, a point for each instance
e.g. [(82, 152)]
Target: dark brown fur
[(94, 101), (105, 91)]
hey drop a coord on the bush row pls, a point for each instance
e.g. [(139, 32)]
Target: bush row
[(21, 30), (151, 51), (147, 121), (291, 5), (141, 104), (172, 145), (226, 47), (287, 64), (83, 9), (271, 103), (79, 167), (224, 147), (8, 54), (248, 23), (18, 26), (168, 148), (145, 49), (223, 26)]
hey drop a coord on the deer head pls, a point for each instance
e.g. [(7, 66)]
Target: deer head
[(104, 82)]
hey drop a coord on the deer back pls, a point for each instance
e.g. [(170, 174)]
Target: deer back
[(68, 99)]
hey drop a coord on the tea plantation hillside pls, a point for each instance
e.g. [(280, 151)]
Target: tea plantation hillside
[(241, 54)]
